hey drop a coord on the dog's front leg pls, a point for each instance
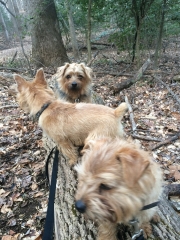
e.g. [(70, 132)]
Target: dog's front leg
[(107, 231), (68, 149)]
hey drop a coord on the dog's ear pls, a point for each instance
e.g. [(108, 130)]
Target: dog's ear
[(40, 78), (133, 165), (61, 70), (21, 82), (87, 70)]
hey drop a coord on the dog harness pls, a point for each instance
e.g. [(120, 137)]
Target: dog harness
[(137, 232)]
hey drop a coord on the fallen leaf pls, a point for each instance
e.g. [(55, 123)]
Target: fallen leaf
[(34, 186), (12, 222), (5, 209), (38, 194)]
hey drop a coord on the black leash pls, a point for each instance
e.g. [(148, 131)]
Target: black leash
[(154, 204), (49, 223)]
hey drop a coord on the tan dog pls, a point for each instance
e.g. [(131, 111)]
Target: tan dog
[(116, 180), (68, 124), (74, 83)]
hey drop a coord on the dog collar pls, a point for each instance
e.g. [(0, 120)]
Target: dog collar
[(138, 233), (44, 107)]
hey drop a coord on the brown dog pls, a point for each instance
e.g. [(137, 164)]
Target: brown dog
[(74, 83), (68, 124), (116, 180)]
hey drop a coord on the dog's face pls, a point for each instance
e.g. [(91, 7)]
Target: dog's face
[(113, 180), (74, 78)]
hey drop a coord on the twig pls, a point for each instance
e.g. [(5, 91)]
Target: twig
[(145, 138), (169, 140), (14, 57), (133, 124), (169, 90), (90, 62), (8, 106), (12, 69)]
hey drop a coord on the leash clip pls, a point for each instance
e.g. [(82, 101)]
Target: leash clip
[(77, 100), (137, 231)]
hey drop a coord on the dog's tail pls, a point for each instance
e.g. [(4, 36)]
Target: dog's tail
[(121, 110)]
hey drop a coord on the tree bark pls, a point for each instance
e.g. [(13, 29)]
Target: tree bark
[(69, 224), (89, 29), (47, 45), (159, 40)]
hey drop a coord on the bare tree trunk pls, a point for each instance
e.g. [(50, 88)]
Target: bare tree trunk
[(4, 26), (89, 30), (159, 40), (47, 45), (72, 30)]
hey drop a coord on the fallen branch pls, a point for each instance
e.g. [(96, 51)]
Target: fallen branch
[(169, 140), (126, 84), (145, 138), (8, 106), (169, 90), (10, 75), (115, 73), (15, 55), (131, 115), (12, 69)]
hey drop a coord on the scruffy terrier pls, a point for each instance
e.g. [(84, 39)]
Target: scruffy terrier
[(116, 179), (74, 83), (68, 124)]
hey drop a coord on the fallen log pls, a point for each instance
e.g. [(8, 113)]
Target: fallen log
[(126, 84)]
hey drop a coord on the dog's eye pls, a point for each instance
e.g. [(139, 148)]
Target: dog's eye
[(68, 76), (80, 77), (104, 187)]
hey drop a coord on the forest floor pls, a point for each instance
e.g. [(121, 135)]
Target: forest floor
[(23, 186)]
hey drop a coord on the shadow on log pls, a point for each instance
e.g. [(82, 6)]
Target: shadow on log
[(69, 224)]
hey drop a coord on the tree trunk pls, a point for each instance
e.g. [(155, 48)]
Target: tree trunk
[(159, 40), (6, 33), (47, 45), (89, 30), (72, 30), (69, 224)]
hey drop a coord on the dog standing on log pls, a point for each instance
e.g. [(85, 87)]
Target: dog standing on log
[(74, 83), (68, 124), (116, 179)]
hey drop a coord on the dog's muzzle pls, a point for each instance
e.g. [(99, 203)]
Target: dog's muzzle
[(80, 206)]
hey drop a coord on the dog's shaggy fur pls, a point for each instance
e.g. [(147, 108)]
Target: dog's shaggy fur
[(116, 179), (74, 83), (68, 124)]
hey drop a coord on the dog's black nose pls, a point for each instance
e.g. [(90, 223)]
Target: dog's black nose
[(74, 84), (80, 206)]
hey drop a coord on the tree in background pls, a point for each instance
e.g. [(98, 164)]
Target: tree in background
[(47, 45), (72, 29)]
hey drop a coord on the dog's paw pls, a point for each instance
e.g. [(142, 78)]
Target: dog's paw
[(147, 229), (155, 218)]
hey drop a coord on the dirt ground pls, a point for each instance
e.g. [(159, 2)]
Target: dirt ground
[(156, 111)]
